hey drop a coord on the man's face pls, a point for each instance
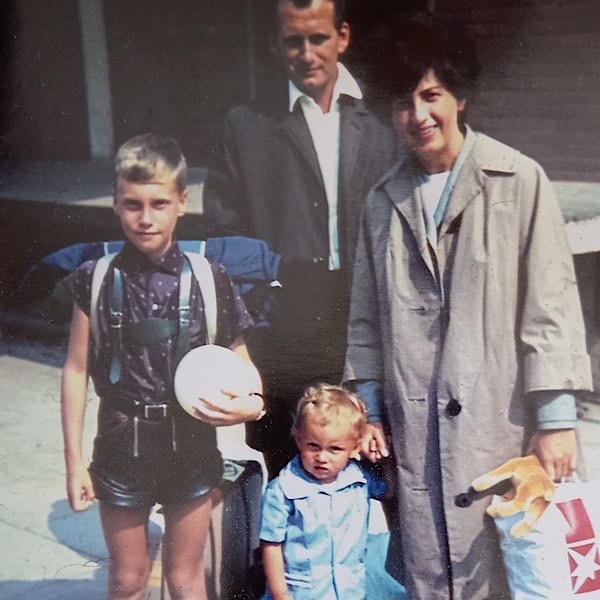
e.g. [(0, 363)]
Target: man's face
[(309, 45)]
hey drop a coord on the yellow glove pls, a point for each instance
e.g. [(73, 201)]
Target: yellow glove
[(531, 492)]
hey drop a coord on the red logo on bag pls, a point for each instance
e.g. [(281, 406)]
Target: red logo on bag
[(582, 547)]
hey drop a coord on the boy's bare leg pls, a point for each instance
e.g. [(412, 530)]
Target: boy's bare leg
[(186, 528), (125, 533)]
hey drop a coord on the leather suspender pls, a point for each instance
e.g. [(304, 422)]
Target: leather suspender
[(150, 330), (183, 311), (116, 327)]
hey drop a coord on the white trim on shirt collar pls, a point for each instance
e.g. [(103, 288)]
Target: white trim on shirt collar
[(296, 483), (345, 84)]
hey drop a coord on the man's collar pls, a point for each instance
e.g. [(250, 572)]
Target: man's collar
[(345, 84)]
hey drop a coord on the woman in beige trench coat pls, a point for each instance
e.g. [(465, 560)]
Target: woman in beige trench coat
[(465, 334)]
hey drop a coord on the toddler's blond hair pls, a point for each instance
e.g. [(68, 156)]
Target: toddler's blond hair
[(324, 403)]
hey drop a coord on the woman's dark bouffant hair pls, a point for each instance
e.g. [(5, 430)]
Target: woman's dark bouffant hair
[(401, 52)]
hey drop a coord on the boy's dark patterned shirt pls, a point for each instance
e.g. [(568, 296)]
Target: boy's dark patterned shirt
[(152, 290)]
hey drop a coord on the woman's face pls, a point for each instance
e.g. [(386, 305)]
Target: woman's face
[(427, 120)]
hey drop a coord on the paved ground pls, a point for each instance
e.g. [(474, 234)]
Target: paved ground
[(50, 553)]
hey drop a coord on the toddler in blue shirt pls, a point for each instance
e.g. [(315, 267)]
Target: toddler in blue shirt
[(314, 521)]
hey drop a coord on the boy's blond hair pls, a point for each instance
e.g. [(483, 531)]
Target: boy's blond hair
[(324, 403), (144, 157)]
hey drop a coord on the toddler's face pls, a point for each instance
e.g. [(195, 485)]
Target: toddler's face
[(326, 449)]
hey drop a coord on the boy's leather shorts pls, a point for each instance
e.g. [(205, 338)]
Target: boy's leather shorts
[(160, 474)]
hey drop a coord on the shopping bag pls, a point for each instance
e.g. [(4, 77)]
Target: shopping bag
[(559, 559)]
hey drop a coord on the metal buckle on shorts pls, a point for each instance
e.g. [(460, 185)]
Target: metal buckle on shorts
[(152, 411)]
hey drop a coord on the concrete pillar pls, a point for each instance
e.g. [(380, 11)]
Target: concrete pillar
[(97, 82)]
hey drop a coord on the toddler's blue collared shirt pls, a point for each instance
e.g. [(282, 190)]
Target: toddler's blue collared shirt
[(323, 529)]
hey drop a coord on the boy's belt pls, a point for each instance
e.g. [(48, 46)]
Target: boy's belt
[(139, 435), (153, 412), (149, 411)]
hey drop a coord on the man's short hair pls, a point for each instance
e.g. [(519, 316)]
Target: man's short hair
[(339, 7), (402, 52), (144, 157)]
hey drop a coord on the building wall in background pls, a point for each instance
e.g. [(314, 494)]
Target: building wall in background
[(175, 68), (540, 84), (42, 91)]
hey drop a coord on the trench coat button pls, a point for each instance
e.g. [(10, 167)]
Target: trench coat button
[(463, 500), (453, 408)]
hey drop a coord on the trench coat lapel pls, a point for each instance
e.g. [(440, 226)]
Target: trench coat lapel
[(295, 129), (469, 185), (401, 189), (485, 156)]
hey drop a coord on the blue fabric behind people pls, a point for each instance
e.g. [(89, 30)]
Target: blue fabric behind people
[(250, 264)]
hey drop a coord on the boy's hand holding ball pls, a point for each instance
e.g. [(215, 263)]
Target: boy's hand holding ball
[(215, 385)]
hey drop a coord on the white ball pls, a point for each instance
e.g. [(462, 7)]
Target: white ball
[(204, 371)]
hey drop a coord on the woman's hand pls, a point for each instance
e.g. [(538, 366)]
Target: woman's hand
[(373, 445), (232, 409), (556, 450)]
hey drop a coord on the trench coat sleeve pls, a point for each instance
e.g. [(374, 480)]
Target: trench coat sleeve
[(364, 355), (551, 329), (223, 194)]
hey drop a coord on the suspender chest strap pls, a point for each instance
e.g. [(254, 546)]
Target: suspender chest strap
[(153, 330)]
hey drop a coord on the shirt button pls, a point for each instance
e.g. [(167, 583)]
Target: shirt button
[(463, 501), (154, 307), (453, 408)]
